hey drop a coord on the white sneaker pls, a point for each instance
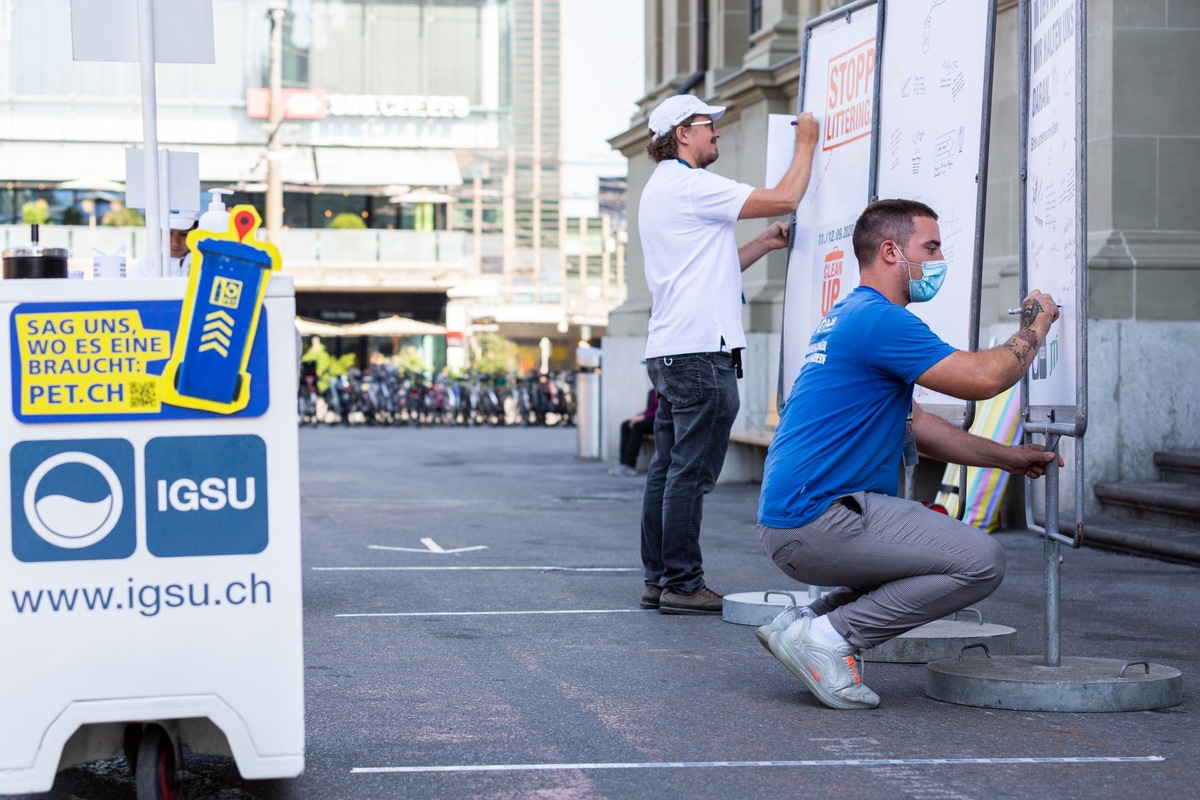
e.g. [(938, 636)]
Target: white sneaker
[(781, 623), (622, 471), (828, 672)]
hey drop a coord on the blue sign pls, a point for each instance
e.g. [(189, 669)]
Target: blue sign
[(73, 500), (93, 362), (227, 303), (206, 496)]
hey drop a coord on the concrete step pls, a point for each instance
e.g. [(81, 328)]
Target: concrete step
[(1179, 466), (1137, 538), (1174, 505)]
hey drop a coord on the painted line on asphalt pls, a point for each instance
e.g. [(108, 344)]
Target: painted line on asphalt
[(477, 569), (846, 762), (503, 613)]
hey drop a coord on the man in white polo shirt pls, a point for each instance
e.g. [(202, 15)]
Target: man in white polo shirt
[(693, 353)]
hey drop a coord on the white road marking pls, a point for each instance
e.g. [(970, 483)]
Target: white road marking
[(430, 547), (478, 569), (845, 762), (504, 613)]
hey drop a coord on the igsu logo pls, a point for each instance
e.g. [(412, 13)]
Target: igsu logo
[(210, 494), (207, 496), (72, 500)]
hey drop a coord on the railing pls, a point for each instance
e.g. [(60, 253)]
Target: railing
[(391, 248)]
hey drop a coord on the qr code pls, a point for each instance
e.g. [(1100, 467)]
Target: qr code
[(143, 394)]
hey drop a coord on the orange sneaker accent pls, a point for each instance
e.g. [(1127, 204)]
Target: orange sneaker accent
[(853, 669), (816, 677)]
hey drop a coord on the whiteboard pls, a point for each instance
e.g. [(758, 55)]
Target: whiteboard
[(837, 84), (1053, 212), (934, 112)]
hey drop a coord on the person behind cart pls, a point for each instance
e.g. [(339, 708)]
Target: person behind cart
[(179, 264)]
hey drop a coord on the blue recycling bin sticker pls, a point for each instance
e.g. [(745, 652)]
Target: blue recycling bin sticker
[(206, 496)]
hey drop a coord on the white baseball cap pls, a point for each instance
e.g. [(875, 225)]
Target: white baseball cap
[(676, 109), (183, 220)]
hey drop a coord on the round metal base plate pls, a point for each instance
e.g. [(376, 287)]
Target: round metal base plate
[(1025, 683), (941, 639), (759, 608)]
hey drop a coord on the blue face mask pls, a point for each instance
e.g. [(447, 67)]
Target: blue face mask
[(932, 275)]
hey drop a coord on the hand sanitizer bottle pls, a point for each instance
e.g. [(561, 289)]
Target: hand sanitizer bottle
[(216, 218)]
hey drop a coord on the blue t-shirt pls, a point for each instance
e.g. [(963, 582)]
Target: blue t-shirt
[(842, 429)]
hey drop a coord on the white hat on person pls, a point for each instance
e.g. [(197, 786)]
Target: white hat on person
[(676, 109), (184, 220)]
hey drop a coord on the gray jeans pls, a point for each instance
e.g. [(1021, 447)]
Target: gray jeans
[(898, 565)]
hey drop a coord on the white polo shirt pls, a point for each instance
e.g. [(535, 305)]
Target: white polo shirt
[(685, 221)]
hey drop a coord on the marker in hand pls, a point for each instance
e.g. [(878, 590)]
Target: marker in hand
[(1019, 310)]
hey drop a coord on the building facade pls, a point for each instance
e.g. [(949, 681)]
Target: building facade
[(1143, 230), (420, 153)]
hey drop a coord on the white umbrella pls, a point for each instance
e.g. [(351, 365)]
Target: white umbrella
[(311, 327), (393, 326), (93, 185)]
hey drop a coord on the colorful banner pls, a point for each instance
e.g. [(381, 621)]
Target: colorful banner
[(838, 87)]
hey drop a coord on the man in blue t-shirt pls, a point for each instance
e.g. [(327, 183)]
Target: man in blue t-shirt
[(829, 514)]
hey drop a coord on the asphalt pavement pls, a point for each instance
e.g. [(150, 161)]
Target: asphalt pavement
[(472, 630)]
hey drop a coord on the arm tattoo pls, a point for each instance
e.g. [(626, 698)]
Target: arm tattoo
[(1017, 346), (1029, 313)]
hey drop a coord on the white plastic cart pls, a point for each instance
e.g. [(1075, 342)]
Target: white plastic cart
[(150, 579)]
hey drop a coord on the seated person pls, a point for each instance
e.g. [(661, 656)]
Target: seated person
[(632, 431)]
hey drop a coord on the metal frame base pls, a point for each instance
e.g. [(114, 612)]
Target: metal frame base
[(759, 608), (1026, 683), (942, 639)]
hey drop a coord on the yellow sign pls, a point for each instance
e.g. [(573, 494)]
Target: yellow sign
[(88, 362), (226, 292)]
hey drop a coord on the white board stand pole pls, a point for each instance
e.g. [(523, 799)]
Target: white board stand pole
[(154, 242)]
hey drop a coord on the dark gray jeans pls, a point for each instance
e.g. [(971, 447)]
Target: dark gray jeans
[(898, 565), (698, 401)]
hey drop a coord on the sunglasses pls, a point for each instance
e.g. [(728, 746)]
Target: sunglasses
[(699, 123)]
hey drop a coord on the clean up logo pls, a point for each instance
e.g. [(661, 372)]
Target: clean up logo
[(206, 496), (72, 500)]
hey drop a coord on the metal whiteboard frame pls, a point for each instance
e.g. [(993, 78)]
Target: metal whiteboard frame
[(1047, 420), (847, 12)]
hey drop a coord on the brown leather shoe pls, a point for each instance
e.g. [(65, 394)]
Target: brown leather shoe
[(701, 601), (650, 595)]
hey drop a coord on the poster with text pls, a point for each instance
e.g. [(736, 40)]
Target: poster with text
[(837, 84), (935, 68), (1053, 194)]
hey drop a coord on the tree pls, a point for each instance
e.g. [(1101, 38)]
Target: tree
[(494, 355), (36, 212), (120, 216), (348, 221), (327, 367)]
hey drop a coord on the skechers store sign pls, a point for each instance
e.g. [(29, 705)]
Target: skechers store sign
[(316, 104)]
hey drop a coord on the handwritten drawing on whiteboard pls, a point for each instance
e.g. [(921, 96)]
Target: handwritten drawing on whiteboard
[(837, 85), (934, 57), (1052, 194)]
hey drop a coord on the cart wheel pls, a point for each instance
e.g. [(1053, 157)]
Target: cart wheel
[(157, 767), (132, 740)]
